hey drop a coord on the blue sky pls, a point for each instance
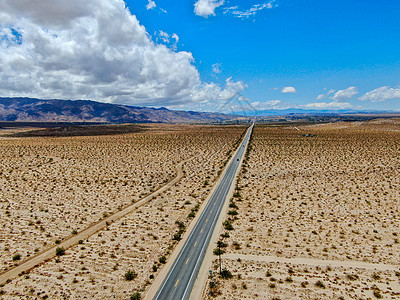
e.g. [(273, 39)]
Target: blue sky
[(193, 54), (314, 46)]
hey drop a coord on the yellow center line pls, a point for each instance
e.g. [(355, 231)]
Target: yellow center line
[(201, 231), (206, 220), (195, 244), (214, 204), (187, 261), (211, 212), (176, 282)]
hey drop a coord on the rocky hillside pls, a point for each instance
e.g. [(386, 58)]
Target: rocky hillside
[(38, 110)]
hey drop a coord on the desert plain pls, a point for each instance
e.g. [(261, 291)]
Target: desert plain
[(315, 215), (52, 188)]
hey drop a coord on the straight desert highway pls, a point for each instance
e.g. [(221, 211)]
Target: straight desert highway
[(180, 279)]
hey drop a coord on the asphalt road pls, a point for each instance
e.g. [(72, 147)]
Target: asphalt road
[(180, 279)]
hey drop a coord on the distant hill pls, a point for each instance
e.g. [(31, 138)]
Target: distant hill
[(38, 110)]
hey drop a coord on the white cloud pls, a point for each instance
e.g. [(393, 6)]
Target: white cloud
[(205, 8), (151, 5), (164, 36), (381, 94), (270, 104), (212, 91), (175, 44), (288, 89), (77, 50), (175, 37), (328, 105), (252, 11), (343, 94), (216, 68), (230, 9), (321, 96)]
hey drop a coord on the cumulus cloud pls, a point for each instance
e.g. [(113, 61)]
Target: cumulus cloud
[(216, 68), (92, 50), (205, 8), (381, 94), (151, 5), (288, 89), (252, 11), (344, 94), (213, 91)]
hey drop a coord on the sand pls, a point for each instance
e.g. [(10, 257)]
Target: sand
[(326, 192), (89, 178)]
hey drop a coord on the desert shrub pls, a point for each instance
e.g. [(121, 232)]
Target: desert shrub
[(228, 225), (130, 275), (232, 212), (377, 294), (211, 284), (177, 236), (16, 257), (226, 274), (320, 284), (376, 276), (289, 279), (180, 224), (218, 251), (136, 296), (221, 244), (162, 259), (233, 205), (236, 245), (352, 277), (225, 234), (60, 251)]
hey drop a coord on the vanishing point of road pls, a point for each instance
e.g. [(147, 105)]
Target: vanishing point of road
[(180, 279)]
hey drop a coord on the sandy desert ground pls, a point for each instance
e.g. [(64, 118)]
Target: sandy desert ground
[(316, 215), (52, 187)]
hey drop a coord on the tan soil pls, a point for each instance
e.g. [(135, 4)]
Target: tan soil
[(94, 166), (332, 195)]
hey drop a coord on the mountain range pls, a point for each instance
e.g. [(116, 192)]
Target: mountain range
[(39, 110)]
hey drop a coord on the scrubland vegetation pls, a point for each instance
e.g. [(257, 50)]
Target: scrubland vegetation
[(52, 188), (319, 193)]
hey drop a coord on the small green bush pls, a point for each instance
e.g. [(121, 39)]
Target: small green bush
[(226, 274), (162, 259), (130, 275), (228, 225), (136, 296), (218, 251), (60, 251)]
